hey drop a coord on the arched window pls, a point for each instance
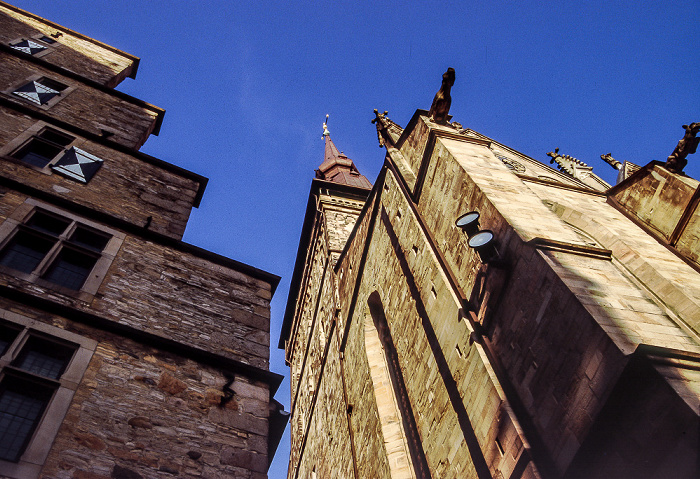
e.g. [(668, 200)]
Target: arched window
[(404, 450)]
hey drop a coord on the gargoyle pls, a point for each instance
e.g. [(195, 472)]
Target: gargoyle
[(688, 145), (440, 108)]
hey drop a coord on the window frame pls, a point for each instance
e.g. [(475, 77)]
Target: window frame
[(33, 134), (44, 106), (17, 222), (41, 439)]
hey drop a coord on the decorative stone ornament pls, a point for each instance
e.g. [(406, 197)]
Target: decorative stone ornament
[(440, 109), (686, 146)]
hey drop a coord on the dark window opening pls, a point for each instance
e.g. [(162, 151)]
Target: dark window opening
[(70, 269), (46, 39), (44, 357), (7, 336), (37, 152), (56, 137), (25, 251), (54, 248), (89, 239), (43, 148), (22, 402), (38, 360), (53, 225)]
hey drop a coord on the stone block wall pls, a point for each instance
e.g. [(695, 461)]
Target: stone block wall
[(141, 412), (72, 51), (129, 121), (511, 369), (126, 186), (312, 349), (174, 294)]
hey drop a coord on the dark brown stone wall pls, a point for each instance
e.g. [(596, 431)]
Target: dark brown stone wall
[(173, 294), (141, 412), (189, 299), (125, 186), (90, 109), (103, 66)]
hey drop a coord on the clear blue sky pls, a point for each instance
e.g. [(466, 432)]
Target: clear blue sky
[(247, 85)]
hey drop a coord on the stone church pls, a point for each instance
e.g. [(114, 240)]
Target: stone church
[(478, 314), (125, 353)]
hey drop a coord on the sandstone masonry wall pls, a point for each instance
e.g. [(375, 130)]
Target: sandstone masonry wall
[(140, 413)]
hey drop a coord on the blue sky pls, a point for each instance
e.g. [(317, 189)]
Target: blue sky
[(246, 87)]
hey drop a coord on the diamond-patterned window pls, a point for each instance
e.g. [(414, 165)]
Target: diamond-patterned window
[(28, 46), (53, 148), (78, 164), (40, 91)]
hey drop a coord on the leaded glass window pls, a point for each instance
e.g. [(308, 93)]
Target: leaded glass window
[(55, 249), (28, 384)]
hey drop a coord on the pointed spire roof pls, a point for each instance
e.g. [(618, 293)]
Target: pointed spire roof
[(337, 167)]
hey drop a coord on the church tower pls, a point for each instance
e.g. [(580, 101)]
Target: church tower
[(309, 333), (491, 316)]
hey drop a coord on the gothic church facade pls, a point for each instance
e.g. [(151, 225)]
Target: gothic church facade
[(478, 314)]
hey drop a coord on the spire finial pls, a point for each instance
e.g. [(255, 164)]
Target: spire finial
[(325, 128)]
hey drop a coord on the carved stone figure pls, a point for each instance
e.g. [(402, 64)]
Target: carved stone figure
[(442, 101), (688, 145), (611, 161)]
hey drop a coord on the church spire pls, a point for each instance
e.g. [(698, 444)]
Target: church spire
[(337, 167)]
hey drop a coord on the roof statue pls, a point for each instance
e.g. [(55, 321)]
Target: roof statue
[(686, 146), (337, 167), (568, 164), (386, 128), (611, 161), (440, 108)]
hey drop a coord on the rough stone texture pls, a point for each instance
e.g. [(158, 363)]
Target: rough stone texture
[(90, 109), (118, 422), (125, 186), (80, 55), (144, 408), (660, 199), (176, 295), (518, 368)]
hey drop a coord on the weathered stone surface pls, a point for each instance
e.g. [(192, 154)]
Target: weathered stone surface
[(480, 367), (160, 327), (171, 385), (126, 186), (244, 459), (89, 440), (75, 53), (90, 109), (194, 455), (141, 422)]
